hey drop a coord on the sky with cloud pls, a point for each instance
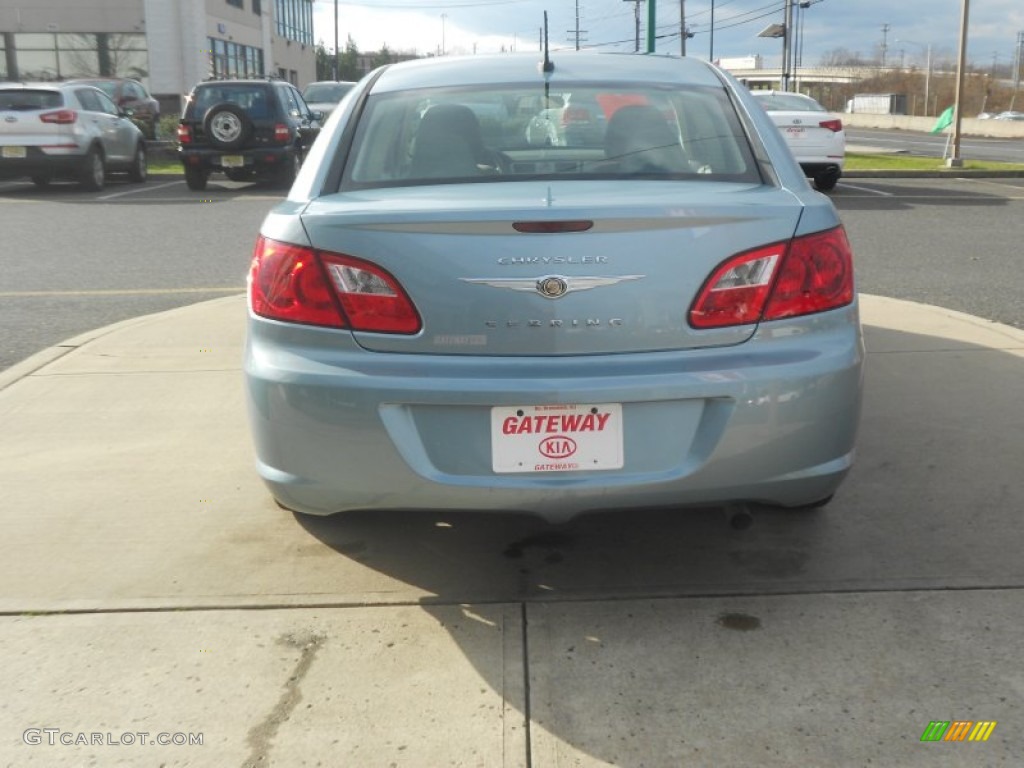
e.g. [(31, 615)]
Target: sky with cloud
[(483, 26)]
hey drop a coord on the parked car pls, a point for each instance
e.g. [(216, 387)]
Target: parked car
[(815, 137), (1009, 115), (66, 130), (324, 95), (132, 97), (438, 321), (245, 129)]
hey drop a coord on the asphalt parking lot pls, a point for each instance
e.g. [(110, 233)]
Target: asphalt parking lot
[(150, 584)]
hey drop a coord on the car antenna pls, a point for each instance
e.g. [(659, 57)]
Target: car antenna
[(549, 65)]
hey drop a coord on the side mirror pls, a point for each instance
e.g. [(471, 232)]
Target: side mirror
[(318, 115)]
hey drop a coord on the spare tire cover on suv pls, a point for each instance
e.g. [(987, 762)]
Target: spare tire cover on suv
[(227, 125)]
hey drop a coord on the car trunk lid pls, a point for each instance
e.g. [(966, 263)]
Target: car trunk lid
[(499, 269)]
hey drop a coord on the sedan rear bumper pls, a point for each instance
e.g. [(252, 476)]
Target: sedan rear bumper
[(773, 421)]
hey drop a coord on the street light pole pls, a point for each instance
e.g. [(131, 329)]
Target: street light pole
[(787, 44), (927, 72), (336, 55), (444, 16)]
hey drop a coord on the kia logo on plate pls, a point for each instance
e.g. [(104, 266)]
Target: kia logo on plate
[(557, 447)]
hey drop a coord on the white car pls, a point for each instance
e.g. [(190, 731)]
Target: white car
[(67, 130), (814, 135)]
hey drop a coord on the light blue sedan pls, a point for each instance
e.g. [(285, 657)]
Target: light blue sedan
[(445, 316)]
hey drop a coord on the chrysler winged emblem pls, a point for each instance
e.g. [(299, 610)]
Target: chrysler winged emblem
[(551, 286)]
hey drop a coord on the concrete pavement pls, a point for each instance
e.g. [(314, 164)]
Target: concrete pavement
[(149, 585)]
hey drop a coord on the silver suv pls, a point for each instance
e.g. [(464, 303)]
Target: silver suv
[(67, 131)]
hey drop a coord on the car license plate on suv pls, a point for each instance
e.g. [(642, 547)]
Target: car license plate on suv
[(13, 153), (556, 438), (232, 161)]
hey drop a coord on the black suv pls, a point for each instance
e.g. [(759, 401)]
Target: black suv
[(245, 128)]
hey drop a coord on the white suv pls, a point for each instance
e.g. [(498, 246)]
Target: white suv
[(65, 130)]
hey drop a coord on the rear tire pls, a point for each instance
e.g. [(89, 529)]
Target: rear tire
[(196, 178), (140, 168), (825, 182), (94, 173)]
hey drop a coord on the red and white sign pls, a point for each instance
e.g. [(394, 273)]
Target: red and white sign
[(556, 438)]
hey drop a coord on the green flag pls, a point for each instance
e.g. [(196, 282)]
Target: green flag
[(944, 121)]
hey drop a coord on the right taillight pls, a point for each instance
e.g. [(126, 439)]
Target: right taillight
[(813, 273), (60, 117), (833, 125), (297, 284)]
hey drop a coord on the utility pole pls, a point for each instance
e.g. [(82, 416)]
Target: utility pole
[(651, 14), (336, 52), (955, 161), (578, 34), (885, 43), (1018, 59), (682, 27), (711, 45)]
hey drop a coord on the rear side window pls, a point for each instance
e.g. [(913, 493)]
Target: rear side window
[(24, 100), (522, 133)]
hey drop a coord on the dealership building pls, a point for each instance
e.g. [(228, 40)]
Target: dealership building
[(169, 45)]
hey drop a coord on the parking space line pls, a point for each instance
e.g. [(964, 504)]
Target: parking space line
[(139, 189), (868, 189), (1004, 186)]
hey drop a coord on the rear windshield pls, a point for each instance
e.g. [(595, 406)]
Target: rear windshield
[(23, 100), (252, 97), (329, 92), (789, 102), (488, 134)]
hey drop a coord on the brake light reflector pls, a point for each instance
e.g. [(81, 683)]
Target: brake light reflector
[(833, 125), (297, 284), (810, 274), (60, 117), (184, 134)]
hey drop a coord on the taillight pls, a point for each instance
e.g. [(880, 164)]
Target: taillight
[(833, 125), (184, 134), (281, 133), (60, 117), (807, 275), (296, 284)]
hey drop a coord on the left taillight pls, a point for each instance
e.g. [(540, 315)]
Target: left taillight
[(834, 125), (60, 117), (296, 284), (184, 134), (809, 274)]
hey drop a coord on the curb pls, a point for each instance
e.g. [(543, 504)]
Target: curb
[(41, 359)]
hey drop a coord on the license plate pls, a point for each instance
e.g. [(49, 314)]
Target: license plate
[(556, 438), (13, 153), (232, 161), (794, 132)]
